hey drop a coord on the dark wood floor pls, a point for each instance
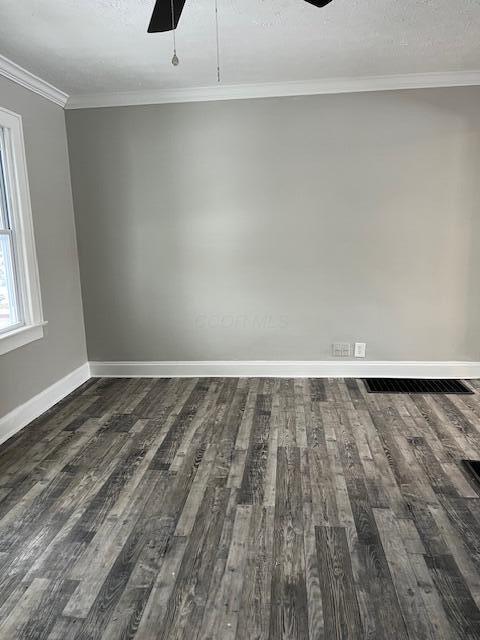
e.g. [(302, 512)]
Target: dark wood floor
[(241, 509)]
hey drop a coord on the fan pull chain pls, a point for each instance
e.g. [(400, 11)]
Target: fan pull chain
[(175, 60), (218, 41)]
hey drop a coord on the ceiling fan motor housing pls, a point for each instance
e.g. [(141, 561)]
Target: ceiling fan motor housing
[(319, 3)]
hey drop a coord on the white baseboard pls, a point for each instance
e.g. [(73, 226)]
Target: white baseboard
[(294, 369), (25, 413)]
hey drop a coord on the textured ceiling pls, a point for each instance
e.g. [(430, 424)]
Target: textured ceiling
[(91, 46)]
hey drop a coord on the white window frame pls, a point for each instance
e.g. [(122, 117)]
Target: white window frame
[(23, 237)]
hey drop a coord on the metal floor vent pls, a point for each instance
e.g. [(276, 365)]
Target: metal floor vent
[(472, 467), (414, 385)]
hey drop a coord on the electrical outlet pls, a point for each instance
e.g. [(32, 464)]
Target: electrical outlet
[(341, 349), (360, 349)]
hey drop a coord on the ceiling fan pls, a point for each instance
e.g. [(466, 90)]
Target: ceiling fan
[(163, 20)]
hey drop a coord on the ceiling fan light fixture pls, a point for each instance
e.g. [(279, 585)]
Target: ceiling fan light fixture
[(319, 3)]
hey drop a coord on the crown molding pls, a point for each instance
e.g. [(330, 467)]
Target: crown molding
[(26, 79), (271, 90)]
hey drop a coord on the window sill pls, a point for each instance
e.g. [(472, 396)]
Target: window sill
[(21, 337)]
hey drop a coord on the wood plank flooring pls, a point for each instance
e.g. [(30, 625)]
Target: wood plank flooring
[(241, 509)]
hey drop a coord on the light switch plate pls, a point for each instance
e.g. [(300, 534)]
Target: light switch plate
[(341, 349)]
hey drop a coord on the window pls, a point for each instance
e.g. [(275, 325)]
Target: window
[(21, 319), (11, 315)]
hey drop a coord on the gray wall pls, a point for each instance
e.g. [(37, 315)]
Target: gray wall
[(267, 229), (28, 370)]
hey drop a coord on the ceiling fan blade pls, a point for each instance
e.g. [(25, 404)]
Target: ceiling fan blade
[(162, 15), (319, 3)]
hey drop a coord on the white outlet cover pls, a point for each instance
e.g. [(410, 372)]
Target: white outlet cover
[(360, 349)]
